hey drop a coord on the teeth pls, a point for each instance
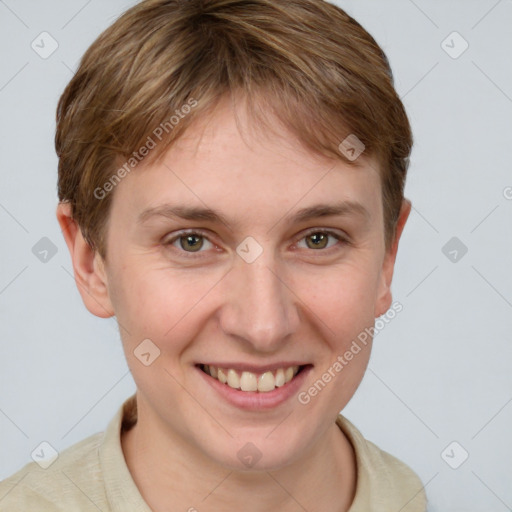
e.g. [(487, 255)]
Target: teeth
[(221, 375), (233, 379), (280, 379), (266, 382), (248, 381)]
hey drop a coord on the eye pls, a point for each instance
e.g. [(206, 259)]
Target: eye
[(190, 242), (318, 239), (194, 240)]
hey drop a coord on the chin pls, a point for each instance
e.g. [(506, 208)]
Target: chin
[(256, 451)]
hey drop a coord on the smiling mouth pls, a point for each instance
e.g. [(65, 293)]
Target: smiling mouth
[(253, 382)]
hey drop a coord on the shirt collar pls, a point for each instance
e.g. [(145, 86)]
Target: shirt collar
[(122, 493)]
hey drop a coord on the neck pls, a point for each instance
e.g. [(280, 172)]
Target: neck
[(324, 479)]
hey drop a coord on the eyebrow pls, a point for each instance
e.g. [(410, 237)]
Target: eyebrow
[(191, 213)]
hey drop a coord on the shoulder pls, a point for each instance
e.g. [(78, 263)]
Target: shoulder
[(383, 481), (72, 479)]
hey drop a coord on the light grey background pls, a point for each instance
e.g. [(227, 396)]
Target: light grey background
[(440, 371)]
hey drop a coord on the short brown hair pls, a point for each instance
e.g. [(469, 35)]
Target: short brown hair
[(305, 61)]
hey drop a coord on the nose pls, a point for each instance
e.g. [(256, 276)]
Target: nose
[(259, 308)]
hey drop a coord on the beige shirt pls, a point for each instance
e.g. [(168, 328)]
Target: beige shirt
[(92, 475)]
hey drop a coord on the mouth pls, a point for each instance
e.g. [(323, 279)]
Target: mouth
[(262, 381)]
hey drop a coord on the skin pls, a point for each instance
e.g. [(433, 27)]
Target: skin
[(294, 302)]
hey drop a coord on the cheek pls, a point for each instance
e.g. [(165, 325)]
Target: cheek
[(342, 312), (168, 304), (343, 297), (155, 302)]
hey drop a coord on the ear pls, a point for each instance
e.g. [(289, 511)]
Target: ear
[(384, 297), (88, 266)]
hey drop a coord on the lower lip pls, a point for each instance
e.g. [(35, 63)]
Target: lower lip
[(254, 400)]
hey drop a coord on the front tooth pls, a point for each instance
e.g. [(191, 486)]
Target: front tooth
[(288, 374), (221, 376), (266, 382), (280, 381), (233, 379), (248, 382)]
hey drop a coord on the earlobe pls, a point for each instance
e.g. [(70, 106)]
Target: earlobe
[(385, 298), (88, 267)]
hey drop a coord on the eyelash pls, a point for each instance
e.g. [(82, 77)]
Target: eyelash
[(344, 240)]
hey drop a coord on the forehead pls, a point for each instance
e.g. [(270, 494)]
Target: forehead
[(226, 164)]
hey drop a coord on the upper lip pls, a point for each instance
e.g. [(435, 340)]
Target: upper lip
[(244, 367)]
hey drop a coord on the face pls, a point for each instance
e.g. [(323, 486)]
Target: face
[(253, 291)]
